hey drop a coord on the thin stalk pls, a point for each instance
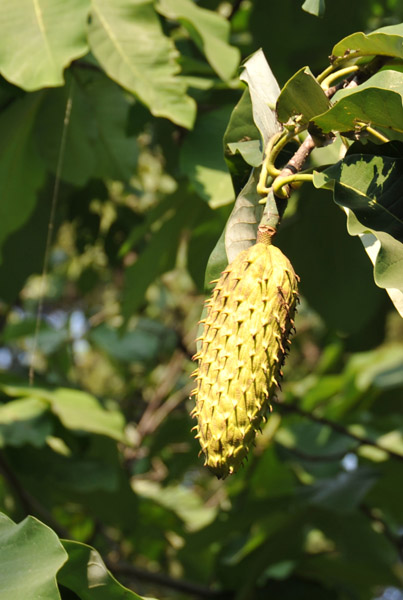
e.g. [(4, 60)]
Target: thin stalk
[(332, 77), (280, 182)]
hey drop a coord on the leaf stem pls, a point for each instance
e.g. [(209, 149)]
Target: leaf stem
[(334, 75), (273, 148), (377, 134), (280, 182)]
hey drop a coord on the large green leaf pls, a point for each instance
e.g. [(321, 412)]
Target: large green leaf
[(377, 102), (344, 492), (387, 41), (326, 274), (76, 410), (21, 170), (86, 575), (208, 30), (202, 158), (264, 91), (369, 187), (97, 143), (127, 39), (39, 38), (146, 342), (302, 97), (30, 557)]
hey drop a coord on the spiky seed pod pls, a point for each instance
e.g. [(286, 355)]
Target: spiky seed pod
[(245, 338)]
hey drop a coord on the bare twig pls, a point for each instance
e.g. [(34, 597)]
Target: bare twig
[(163, 580), (148, 423), (293, 408)]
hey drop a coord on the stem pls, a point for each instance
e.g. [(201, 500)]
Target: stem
[(325, 73), (377, 134), (180, 585), (280, 182), (327, 82), (267, 166), (293, 408)]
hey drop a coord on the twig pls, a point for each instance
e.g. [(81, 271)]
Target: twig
[(293, 408), (235, 7), (147, 423), (180, 585), (337, 457), (30, 504)]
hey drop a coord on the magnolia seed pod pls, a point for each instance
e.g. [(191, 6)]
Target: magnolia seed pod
[(243, 346)]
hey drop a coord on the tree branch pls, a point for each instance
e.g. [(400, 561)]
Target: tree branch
[(293, 408), (163, 580)]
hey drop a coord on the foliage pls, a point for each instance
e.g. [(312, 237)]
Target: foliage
[(115, 180)]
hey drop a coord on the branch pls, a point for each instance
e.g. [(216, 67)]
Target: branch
[(235, 7), (293, 408), (337, 457), (180, 585)]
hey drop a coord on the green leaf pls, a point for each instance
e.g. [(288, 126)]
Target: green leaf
[(241, 228), (80, 411), (159, 255), (264, 91), (21, 170), (209, 30), (387, 41), (311, 250), (38, 39), (202, 159), (301, 97), (314, 7), (180, 499), (86, 575), (30, 557), (242, 142), (369, 187), (378, 103), (24, 249), (24, 421), (147, 66), (76, 410), (251, 151), (346, 491), (148, 341), (97, 143)]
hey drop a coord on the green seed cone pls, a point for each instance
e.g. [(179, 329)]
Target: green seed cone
[(243, 345)]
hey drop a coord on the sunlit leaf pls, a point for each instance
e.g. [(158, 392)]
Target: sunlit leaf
[(387, 41), (128, 41), (39, 38), (301, 98), (32, 549), (208, 30), (264, 91)]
